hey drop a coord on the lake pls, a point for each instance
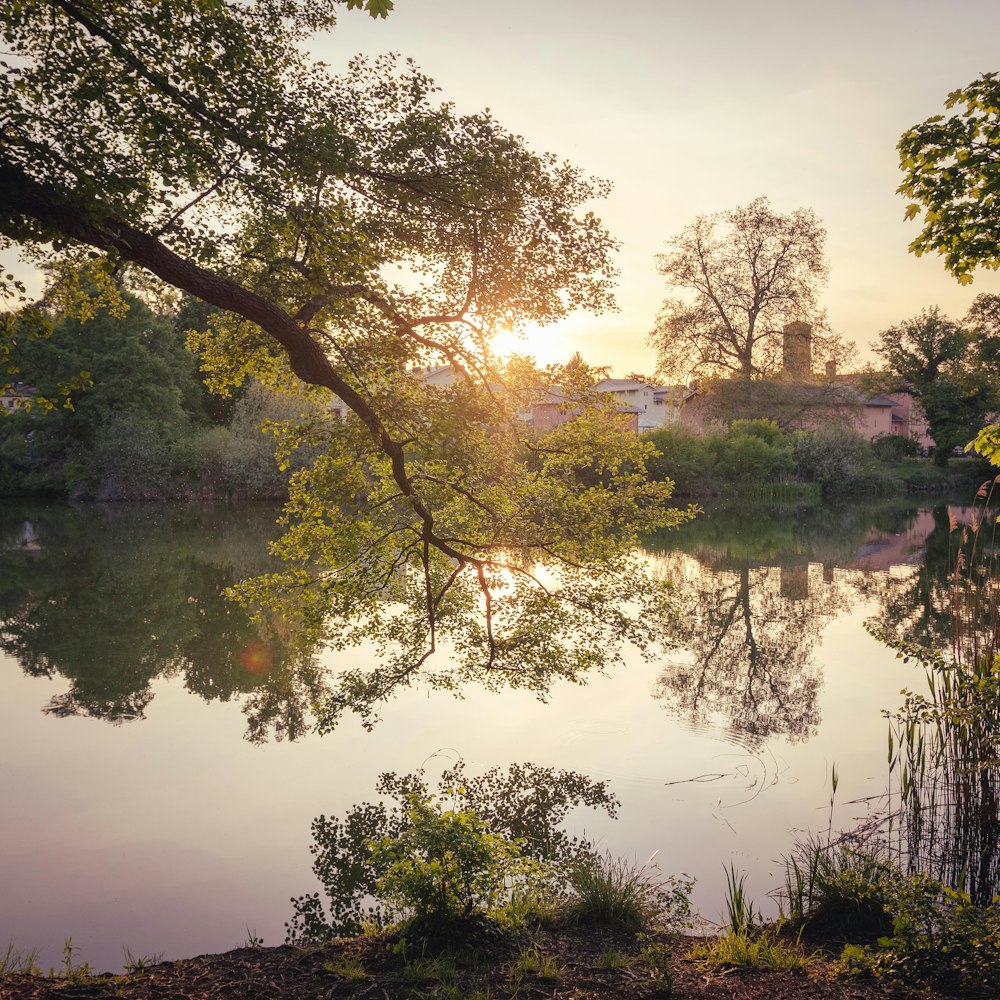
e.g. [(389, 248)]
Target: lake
[(160, 776)]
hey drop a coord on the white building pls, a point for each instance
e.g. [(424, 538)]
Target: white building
[(658, 406)]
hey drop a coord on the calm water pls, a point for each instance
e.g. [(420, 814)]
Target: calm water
[(159, 776)]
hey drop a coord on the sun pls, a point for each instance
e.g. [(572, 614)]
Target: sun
[(506, 343)]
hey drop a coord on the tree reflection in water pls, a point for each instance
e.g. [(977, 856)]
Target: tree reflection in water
[(760, 587), (113, 599)]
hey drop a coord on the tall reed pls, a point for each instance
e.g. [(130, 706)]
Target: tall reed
[(944, 745)]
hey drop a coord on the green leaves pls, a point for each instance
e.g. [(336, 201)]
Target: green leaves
[(951, 168)]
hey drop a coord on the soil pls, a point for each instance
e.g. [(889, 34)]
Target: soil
[(369, 969)]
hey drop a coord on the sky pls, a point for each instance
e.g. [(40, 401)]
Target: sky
[(691, 109)]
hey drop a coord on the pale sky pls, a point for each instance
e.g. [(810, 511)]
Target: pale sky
[(696, 108)]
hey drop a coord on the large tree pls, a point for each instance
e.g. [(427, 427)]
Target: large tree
[(348, 229), (742, 276), (952, 368), (951, 174)]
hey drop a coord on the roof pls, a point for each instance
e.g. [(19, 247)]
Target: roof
[(880, 401), (620, 385)]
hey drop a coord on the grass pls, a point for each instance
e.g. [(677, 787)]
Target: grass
[(532, 961), (839, 891), (348, 967), (611, 958), (609, 892), (749, 951), (140, 963), (13, 961), (743, 916)]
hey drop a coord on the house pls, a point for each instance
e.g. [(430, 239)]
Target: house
[(656, 406), (554, 408), (803, 400), (16, 396)]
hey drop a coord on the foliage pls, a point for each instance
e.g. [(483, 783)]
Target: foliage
[(610, 892), (834, 456), (743, 274), (987, 443), (130, 392), (445, 867), (951, 174), (683, 458), (746, 456), (349, 229), (894, 447), (521, 807), (941, 943), (952, 368), (750, 951), (753, 455), (838, 890)]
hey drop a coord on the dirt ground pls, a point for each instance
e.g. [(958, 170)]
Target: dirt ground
[(581, 966)]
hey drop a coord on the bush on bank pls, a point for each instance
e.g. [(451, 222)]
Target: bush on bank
[(755, 455)]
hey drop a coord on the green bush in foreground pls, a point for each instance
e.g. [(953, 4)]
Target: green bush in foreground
[(941, 942), (446, 868)]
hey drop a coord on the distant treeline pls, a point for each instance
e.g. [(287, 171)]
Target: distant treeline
[(133, 419)]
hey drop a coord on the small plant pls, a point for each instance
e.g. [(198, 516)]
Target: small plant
[(13, 961), (655, 957), (140, 963), (69, 970), (348, 967), (251, 940), (446, 869), (611, 958), (611, 892), (743, 916), (745, 951), (535, 962)]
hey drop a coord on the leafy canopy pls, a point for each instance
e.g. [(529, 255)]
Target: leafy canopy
[(347, 229), (952, 368), (951, 176)]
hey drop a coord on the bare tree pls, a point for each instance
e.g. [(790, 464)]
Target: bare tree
[(742, 276)]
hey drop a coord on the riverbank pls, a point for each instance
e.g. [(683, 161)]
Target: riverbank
[(583, 965)]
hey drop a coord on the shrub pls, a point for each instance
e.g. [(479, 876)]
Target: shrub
[(523, 806), (941, 943), (684, 458), (766, 430), (446, 868), (894, 447), (609, 892), (751, 459), (834, 456)]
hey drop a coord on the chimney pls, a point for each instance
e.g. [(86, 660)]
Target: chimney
[(831, 370), (796, 352)]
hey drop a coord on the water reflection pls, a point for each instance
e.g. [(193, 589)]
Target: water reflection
[(760, 591), (113, 599)]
